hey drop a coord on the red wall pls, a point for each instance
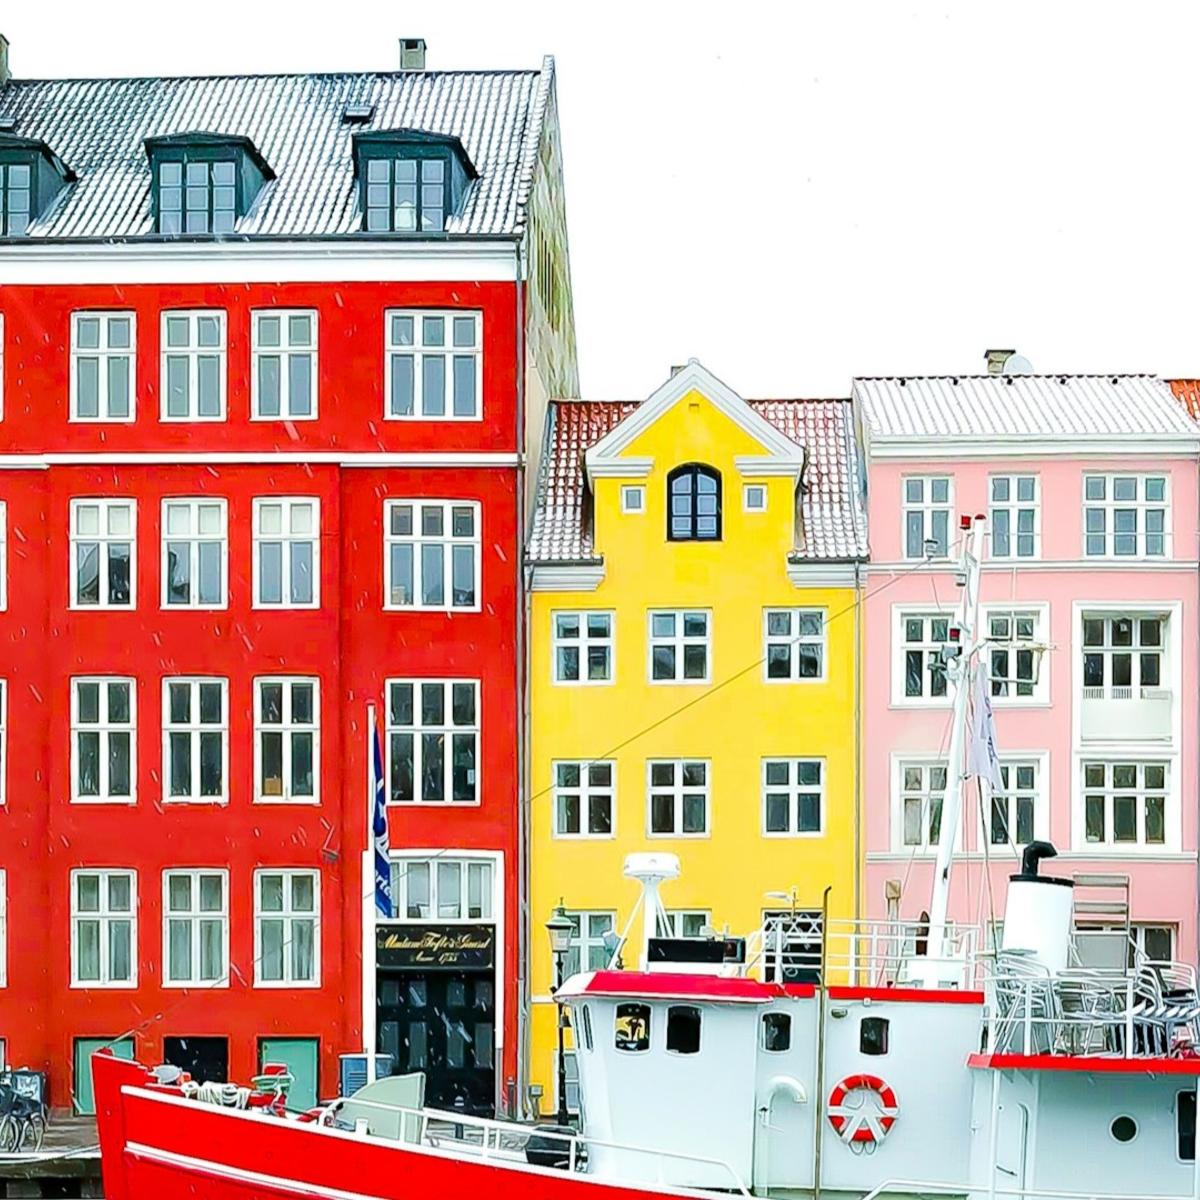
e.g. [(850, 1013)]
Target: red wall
[(350, 643)]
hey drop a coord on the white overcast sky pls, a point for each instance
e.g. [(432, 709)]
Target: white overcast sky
[(799, 192)]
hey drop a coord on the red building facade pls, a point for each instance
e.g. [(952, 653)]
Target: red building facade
[(206, 586)]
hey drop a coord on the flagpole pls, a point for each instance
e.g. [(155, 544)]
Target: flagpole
[(368, 903)]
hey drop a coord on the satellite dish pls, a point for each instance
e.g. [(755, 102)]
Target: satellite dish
[(1017, 364)]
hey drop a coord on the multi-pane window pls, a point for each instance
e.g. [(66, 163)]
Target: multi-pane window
[(102, 366), (103, 928), (1125, 803), (283, 368), (679, 647), (16, 195), (286, 721), (406, 195), (103, 549), (795, 640), (431, 550), (199, 196), (583, 647), (433, 741), (194, 553), (922, 791), (1012, 667), (195, 927), (678, 793), (1122, 655), (195, 738), (1125, 516), (103, 721), (287, 925), (443, 889), (1015, 805), (193, 366), (1151, 943), (587, 951), (927, 505), (694, 504), (922, 637), (793, 796), (1013, 516), (287, 553), (433, 365), (583, 799), (689, 922)]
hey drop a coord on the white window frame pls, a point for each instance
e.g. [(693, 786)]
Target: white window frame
[(679, 641), (194, 916), (1040, 612), (194, 538), (1014, 507), (583, 940), (794, 641), (286, 728), (928, 646), (288, 916), (103, 353), (1169, 792), (285, 352), (418, 352), (676, 792), (677, 916), (193, 351), (104, 917), (926, 506), (588, 793), (584, 643), (447, 729), (105, 504), (194, 729), (103, 728), (752, 492), (793, 790), (1011, 763), (1140, 506), (925, 762), (485, 867), (1108, 650), (633, 498), (286, 540), (446, 540)]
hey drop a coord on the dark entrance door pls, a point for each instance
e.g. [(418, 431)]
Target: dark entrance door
[(442, 1023), (206, 1059)]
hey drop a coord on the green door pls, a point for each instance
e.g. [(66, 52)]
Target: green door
[(85, 1103), (300, 1055)]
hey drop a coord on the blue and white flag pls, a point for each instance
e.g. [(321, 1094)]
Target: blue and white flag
[(379, 830), (982, 757)]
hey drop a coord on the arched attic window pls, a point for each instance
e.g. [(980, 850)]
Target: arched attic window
[(694, 504)]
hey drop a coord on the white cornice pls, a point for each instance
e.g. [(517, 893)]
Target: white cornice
[(622, 468), (754, 465), (1020, 566), (41, 462), (567, 577), (815, 574), (1175, 445)]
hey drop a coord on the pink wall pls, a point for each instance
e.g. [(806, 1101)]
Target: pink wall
[(1163, 878)]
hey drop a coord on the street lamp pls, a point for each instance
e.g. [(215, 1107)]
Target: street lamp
[(560, 928)]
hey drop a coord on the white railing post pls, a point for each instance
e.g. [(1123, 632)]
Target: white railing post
[(1028, 1018), (1129, 1017)]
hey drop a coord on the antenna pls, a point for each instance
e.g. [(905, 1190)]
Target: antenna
[(650, 870)]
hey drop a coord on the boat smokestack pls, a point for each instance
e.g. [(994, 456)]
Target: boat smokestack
[(1037, 917)]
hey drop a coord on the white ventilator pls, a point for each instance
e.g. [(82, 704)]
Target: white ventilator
[(651, 870)]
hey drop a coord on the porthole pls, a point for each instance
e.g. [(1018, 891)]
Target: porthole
[(1123, 1129)]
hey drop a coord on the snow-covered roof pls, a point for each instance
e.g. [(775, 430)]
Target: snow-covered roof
[(98, 127)]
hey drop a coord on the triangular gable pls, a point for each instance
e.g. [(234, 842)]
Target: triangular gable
[(783, 456)]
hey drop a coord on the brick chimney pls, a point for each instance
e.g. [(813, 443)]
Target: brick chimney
[(996, 360), (412, 54)]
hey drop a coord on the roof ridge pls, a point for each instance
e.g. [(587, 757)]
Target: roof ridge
[(1025, 375), (377, 74)]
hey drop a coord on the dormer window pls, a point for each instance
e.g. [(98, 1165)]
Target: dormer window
[(31, 177), (16, 197), (694, 504), (410, 181), (203, 182)]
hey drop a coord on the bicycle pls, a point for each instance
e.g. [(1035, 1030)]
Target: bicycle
[(22, 1124)]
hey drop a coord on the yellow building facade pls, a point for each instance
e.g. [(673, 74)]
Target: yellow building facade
[(694, 639)]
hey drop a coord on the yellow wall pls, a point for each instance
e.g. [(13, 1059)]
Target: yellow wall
[(735, 727)]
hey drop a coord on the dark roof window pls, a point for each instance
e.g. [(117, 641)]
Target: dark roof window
[(694, 504), (410, 181), (31, 177), (204, 182)]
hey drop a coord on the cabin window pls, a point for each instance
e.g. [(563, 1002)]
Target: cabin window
[(873, 1035), (683, 1029), (585, 1026), (1124, 1129), (633, 1028), (776, 1032), (1185, 1125)]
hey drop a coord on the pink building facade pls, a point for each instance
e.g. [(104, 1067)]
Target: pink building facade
[(1090, 489)]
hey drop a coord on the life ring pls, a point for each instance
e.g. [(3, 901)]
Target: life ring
[(857, 1124)]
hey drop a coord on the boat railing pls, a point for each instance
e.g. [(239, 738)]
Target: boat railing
[(921, 1186), (507, 1140)]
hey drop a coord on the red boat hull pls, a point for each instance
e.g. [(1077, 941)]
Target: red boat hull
[(158, 1146)]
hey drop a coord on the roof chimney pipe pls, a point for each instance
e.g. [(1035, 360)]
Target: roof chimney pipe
[(412, 54), (996, 360), (5, 74)]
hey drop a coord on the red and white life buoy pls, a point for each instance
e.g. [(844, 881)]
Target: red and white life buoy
[(863, 1122)]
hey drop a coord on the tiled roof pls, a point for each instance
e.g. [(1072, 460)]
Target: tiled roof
[(832, 522), (98, 126), (1033, 406), (1187, 392)]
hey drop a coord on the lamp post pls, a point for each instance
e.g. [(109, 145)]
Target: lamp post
[(559, 928)]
